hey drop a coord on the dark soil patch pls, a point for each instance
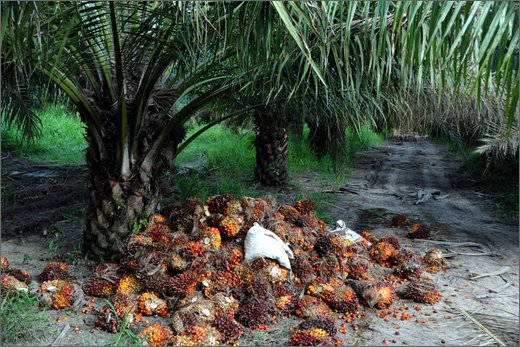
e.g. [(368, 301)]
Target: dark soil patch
[(40, 198)]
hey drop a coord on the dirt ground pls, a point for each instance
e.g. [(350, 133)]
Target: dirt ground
[(42, 221)]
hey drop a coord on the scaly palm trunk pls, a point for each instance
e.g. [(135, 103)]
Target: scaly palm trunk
[(115, 202), (328, 139), (319, 137), (114, 205), (271, 149)]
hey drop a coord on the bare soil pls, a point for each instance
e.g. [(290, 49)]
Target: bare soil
[(42, 220), (39, 198)]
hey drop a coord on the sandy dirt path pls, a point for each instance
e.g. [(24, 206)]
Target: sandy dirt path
[(385, 182)]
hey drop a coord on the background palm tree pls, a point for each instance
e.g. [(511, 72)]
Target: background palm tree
[(380, 58), (138, 71)]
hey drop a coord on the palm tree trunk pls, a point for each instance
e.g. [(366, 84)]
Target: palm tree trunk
[(319, 138), (114, 205), (326, 138), (271, 149)]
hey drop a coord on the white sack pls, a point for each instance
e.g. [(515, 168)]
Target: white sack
[(263, 243)]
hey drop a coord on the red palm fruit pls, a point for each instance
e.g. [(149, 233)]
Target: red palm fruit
[(305, 206), (400, 220), (99, 287), (11, 284), (4, 264), (20, 275), (310, 306), (55, 271), (253, 313), (419, 231), (150, 305), (422, 292), (230, 329), (220, 204), (156, 335)]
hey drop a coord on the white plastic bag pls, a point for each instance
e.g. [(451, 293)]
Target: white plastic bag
[(343, 230), (263, 243)]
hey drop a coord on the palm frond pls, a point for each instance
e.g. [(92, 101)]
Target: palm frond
[(499, 141), (18, 111)]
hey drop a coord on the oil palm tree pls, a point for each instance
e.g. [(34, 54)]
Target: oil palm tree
[(136, 73), (378, 59), (109, 59)]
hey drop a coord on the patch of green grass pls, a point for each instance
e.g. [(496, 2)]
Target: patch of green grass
[(75, 255), (62, 139), (361, 139), (125, 337), (26, 259), (20, 320), (53, 245), (229, 158), (302, 160), (139, 225), (222, 149), (459, 148), (189, 186)]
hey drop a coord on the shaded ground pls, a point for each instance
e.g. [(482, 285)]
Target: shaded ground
[(46, 211), (39, 198)]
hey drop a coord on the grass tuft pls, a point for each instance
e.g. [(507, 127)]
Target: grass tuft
[(124, 336), (21, 321)]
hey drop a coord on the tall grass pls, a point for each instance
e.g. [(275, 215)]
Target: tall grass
[(226, 156), (221, 149), (62, 139)]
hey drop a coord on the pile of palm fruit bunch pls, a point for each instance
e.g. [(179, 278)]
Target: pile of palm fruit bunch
[(188, 266), (13, 280), (55, 287)]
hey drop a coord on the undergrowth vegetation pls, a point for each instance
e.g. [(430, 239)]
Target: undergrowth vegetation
[(222, 160), (225, 161), (499, 176), (62, 139), (20, 320)]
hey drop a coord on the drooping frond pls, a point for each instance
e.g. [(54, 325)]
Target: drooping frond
[(500, 140), (362, 57)]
